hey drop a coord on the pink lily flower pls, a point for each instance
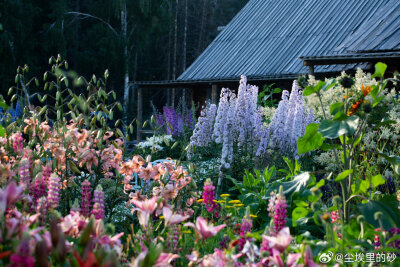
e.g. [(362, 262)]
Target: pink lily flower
[(203, 229), (165, 259), (281, 241), (144, 208), (308, 258), (11, 194), (171, 219)]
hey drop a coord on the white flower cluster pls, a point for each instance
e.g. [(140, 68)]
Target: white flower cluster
[(268, 114), (155, 142)]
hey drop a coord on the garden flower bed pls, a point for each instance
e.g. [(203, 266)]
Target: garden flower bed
[(309, 181)]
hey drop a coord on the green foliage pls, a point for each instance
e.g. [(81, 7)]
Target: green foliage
[(311, 140)]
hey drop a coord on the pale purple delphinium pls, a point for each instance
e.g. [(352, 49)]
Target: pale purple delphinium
[(202, 133), (53, 191), (222, 113), (288, 124), (228, 135)]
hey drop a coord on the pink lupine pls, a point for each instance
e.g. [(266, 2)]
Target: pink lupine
[(53, 191), (17, 140), (245, 227), (38, 189), (277, 208), (209, 197), (377, 242), (46, 172), (23, 255), (24, 172), (86, 197), (98, 203), (41, 206)]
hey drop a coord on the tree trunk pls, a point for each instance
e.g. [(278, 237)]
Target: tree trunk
[(175, 51), (185, 36), (124, 27), (202, 28)]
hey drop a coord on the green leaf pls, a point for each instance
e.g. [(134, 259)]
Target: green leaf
[(340, 116), (298, 213), (3, 105), (2, 131), (313, 89), (390, 216), (333, 129), (394, 161), (380, 69), (311, 140), (320, 183), (343, 175), (377, 180), (336, 107)]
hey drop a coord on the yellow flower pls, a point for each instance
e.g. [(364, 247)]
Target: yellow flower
[(225, 195), (186, 232), (253, 216), (239, 205), (161, 217), (200, 200), (234, 202), (228, 206)]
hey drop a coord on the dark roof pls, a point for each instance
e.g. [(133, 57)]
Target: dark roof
[(267, 37), (381, 32)]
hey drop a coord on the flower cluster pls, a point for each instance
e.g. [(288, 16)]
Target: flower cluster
[(277, 210), (288, 124)]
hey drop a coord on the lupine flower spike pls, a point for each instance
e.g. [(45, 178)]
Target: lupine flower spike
[(98, 203), (86, 197)]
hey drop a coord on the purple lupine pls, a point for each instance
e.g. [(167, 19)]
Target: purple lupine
[(179, 124), (98, 203), (24, 173), (209, 197), (188, 121), (53, 191), (159, 120), (171, 120), (86, 197)]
